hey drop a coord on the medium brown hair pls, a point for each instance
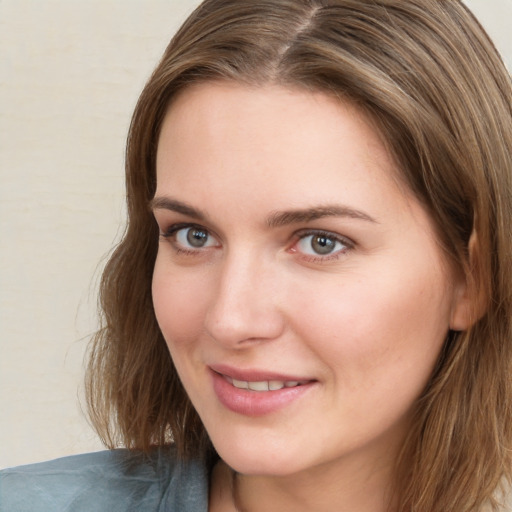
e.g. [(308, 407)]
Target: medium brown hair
[(434, 86)]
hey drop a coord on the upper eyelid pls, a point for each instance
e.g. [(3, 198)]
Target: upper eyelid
[(348, 246), (169, 218), (302, 233), (178, 226), (172, 228)]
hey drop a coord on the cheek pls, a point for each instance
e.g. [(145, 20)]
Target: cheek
[(180, 304), (378, 327)]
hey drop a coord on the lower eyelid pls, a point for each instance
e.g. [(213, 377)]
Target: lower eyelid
[(313, 257), (170, 235)]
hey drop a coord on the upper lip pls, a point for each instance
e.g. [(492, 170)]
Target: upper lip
[(256, 375)]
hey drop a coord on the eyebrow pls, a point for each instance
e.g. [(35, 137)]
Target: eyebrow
[(167, 203), (276, 219)]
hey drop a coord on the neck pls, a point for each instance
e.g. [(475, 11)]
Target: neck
[(322, 489)]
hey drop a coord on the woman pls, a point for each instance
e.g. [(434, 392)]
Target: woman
[(310, 309)]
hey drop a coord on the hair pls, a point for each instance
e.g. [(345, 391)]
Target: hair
[(434, 86)]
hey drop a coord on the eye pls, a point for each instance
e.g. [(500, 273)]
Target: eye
[(194, 237), (187, 237), (321, 244)]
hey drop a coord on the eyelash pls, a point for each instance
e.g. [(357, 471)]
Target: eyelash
[(170, 235), (346, 242), (171, 232)]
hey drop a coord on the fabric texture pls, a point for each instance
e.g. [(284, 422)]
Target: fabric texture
[(107, 481)]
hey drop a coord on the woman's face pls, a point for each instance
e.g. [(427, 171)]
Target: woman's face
[(298, 285)]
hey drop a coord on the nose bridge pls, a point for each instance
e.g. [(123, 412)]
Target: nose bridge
[(244, 306)]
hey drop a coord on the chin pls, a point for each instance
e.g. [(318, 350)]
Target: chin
[(263, 461)]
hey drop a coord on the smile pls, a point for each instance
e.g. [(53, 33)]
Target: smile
[(257, 393), (264, 385)]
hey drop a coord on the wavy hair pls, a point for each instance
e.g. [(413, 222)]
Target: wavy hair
[(433, 84)]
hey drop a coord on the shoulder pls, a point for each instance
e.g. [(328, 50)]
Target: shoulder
[(108, 481)]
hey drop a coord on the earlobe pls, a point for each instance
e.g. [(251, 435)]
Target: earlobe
[(470, 297), (462, 315)]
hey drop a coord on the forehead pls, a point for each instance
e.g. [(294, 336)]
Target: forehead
[(212, 124)]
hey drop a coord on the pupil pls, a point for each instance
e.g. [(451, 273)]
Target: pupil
[(322, 244), (196, 237)]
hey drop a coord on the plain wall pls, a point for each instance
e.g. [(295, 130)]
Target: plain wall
[(70, 74)]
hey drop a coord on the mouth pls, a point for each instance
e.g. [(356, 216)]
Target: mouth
[(263, 385), (257, 393)]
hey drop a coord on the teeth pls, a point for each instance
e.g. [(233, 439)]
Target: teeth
[(271, 385), (259, 386), (274, 385), (240, 384)]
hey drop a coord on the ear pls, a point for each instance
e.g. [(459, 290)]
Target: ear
[(470, 297)]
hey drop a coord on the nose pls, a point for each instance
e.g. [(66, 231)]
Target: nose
[(245, 307)]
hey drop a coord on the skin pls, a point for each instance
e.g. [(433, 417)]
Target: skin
[(364, 322)]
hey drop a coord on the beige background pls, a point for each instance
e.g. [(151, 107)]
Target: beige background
[(70, 73)]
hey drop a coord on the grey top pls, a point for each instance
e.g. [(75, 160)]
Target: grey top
[(108, 481)]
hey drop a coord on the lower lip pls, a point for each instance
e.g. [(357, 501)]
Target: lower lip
[(256, 403)]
